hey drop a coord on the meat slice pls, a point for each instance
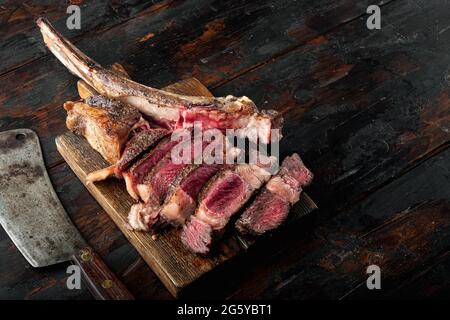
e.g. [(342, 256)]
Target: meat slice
[(138, 171), (271, 207), (181, 195), (137, 145), (224, 195), (156, 183), (106, 124), (140, 142), (180, 202), (182, 199), (179, 110)]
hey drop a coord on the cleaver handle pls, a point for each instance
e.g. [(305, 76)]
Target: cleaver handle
[(102, 283)]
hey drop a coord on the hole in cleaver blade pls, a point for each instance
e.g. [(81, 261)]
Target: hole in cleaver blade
[(30, 211)]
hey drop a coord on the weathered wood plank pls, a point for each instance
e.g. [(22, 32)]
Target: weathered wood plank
[(21, 41), (427, 281), (143, 282), (431, 283), (210, 40), (360, 105)]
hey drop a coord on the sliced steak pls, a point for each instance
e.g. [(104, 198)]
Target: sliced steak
[(182, 199), (271, 207), (224, 195), (181, 195), (156, 183), (137, 172), (137, 145), (180, 202)]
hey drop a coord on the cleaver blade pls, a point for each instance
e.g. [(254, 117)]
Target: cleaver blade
[(30, 211), (34, 218)]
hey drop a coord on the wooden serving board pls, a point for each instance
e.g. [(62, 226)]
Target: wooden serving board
[(174, 265)]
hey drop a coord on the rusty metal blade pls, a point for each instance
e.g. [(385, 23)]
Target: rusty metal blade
[(30, 211)]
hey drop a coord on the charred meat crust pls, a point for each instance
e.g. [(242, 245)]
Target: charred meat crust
[(186, 172), (161, 163), (142, 139), (224, 196), (181, 175), (162, 144), (265, 201), (179, 203), (182, 198), (161, 176), (151, 190), (118, 112), (138, 144), (104, 126)]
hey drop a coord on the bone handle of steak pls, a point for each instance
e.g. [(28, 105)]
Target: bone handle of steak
[(106, 82), (221, 112), (85, 90), (101, 282)]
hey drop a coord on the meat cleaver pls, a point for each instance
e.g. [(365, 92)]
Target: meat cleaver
[(35, 220)]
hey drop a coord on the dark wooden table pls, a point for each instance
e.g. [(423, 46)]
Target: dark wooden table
[(369, 110)]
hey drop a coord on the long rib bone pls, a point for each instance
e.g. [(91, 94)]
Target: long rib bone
[(219, 112)]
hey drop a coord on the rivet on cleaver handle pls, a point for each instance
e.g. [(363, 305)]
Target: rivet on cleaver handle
[(102, 283), (35, 220)]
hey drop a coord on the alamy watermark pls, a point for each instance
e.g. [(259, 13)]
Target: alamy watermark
[(74, 279), (374, 280), (374, 20), (74, 20)]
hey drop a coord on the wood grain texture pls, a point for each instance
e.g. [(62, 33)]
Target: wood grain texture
[(21, 39), (170, 260)]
